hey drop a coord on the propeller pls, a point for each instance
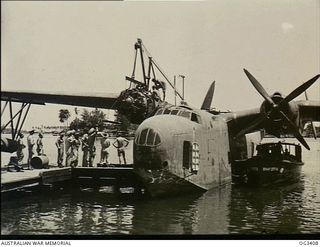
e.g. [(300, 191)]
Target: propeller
[(208, 99), (277, 109)]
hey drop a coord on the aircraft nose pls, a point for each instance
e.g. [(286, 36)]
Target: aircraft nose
[(148, 152)]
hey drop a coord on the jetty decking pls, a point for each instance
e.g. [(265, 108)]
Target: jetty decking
[(94, 177), (11, 181)]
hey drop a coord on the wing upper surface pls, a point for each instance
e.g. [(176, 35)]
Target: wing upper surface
[(97, 100)]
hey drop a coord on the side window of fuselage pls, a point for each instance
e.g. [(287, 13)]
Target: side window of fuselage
[(191, 156), (186, 160)]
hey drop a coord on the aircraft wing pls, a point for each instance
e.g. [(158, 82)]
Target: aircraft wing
[(237, 121), (309, 110), (96, 100)]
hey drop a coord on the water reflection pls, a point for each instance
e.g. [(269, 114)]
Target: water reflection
[(272, 210)]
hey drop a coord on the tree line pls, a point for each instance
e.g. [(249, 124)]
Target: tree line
[(96, 118)]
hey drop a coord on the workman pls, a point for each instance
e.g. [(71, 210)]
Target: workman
[(40, 144), (105, 144), (30, 143), (121, 143), (60, 148), (21, 146)]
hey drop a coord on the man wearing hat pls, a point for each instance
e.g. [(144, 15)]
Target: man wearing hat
[(68, 144), (92, 149), (85, 150), (75, 144), (21, 146), (105, 144), (30, 143), (40, 144), (60, 147)]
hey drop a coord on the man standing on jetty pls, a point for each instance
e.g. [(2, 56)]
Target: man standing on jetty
[(40, 145), (105, 144), (121, 143), (92, 149), (60, 147), (21, 146), (85, 150), (30, 143)]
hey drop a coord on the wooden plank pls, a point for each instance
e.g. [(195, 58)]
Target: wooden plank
[(10, 177), (56, 175), (19, 185), (26, 178)]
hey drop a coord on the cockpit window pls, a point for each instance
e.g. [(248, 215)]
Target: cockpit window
[(195, 118), (181, 112), (174, 112), (166, 111), (185, 114), (159, 112)]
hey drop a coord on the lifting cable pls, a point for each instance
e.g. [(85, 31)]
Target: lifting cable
[(162, 73)]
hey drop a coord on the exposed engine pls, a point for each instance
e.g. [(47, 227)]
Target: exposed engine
[(137, 104)]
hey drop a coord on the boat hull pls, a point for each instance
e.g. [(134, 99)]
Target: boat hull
[(263, 172)]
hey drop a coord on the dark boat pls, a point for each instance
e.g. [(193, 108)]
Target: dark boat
[(274, 163)]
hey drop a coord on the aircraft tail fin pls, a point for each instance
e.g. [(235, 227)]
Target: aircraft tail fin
[(208, 99)]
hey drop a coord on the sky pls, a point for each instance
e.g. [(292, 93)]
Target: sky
[(82, 46)]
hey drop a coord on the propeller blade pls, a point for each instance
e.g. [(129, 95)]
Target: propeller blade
[(251, 127), (259, 87), (208, 99), (295, 130), (299, 90)]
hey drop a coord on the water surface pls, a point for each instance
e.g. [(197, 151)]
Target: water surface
[(285, 209)]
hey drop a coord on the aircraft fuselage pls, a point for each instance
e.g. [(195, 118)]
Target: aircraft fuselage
[(182, 149)]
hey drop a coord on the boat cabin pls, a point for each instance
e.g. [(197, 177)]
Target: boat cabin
[(280, 150)]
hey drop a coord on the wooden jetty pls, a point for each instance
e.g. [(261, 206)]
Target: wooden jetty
[(12, 181), (79, 177), (96, 177)]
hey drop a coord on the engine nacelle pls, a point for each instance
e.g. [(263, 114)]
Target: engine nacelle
[(8, 145), (275, 124)]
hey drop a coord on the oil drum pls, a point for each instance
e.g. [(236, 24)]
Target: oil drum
[(40, 162)]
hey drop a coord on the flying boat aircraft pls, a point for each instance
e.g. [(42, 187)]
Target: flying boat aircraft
[(178, 149)]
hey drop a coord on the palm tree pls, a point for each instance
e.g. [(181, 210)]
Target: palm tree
[(64, 115)]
